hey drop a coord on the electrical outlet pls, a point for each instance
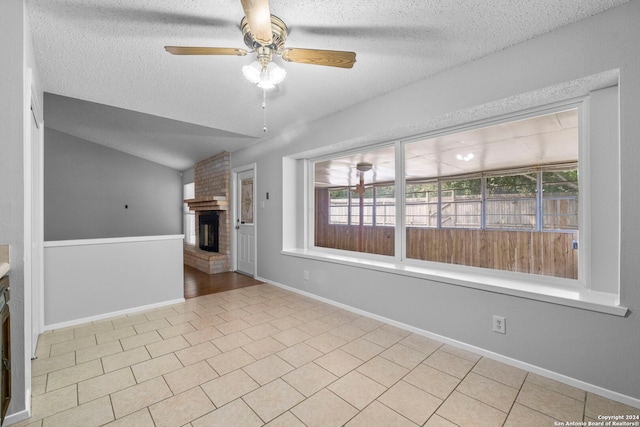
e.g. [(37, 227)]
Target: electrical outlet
[(499, 324), (306, 275)]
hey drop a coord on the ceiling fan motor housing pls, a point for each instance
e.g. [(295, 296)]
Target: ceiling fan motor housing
[(278, 29)]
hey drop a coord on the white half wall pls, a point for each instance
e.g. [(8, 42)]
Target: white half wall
[(88, 279)]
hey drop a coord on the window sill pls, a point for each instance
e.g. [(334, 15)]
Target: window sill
[(574, 297)]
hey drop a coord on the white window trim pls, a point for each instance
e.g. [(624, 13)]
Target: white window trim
[(473, 278), (567, 292), (185, 214)]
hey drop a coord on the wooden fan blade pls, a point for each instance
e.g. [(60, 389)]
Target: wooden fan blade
[(191, 50), (330, 58), (259, 20)]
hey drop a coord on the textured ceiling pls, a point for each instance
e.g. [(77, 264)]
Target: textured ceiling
[(110, 53)]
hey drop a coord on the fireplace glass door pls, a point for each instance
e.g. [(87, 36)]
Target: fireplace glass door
[(209, 231)]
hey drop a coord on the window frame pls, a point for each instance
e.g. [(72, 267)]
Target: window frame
[(583, 281), (598, 286), (400, 254)]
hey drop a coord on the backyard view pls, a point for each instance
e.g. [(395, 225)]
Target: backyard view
[(523, 218)]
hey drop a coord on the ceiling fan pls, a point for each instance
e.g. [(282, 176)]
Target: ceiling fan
[(266, 34)]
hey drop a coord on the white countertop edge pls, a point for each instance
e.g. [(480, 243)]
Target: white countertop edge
[(578, 298), (107, 241)]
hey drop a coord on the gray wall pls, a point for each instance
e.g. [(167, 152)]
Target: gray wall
[(599, 349), (87, 187), (188, 176)]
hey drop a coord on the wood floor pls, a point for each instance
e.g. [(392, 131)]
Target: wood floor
[(198, 283)]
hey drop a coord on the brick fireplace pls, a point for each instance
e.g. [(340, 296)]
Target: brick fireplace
[(211, 195)]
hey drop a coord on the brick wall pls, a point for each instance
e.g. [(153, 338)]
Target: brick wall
[(212, 176), (212, 179)]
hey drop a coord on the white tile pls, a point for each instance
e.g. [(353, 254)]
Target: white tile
[(155, 367), (230, 361), (383, 371), (236, 413), (267, 369), (92, 414), (273, 399), (299, 354), (189, 377), (181, 408), (379, 415), (309, 378), (357, 389), (465, 411), (105, 384), (74, 374), (411, 402), (134, 398), (229, 387), (324, 409)]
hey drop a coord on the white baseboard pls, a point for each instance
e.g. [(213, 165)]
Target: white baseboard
[(81, 321), (609, 394)]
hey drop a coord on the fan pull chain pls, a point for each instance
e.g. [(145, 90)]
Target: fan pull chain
[(264, 109)]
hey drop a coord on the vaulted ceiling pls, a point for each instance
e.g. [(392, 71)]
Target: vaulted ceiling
[(109, 80)]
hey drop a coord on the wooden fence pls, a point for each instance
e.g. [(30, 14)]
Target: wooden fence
[(376, 240), (544, 253)]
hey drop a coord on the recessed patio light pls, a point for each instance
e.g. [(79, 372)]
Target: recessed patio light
[(465, 157)]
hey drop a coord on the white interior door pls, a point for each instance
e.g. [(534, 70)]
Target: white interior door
[(245, 222)]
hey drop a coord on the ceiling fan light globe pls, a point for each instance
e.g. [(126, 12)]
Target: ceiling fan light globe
[(265, 84), (276, 74), (252, 72)]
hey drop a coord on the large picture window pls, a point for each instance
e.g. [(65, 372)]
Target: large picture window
[(536, 196), (502, 197)]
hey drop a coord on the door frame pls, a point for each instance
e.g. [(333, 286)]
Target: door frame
[(33, 214), (37, 222), (234, 215)]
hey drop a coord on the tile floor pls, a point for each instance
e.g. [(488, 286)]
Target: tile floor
[(262, 355)]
